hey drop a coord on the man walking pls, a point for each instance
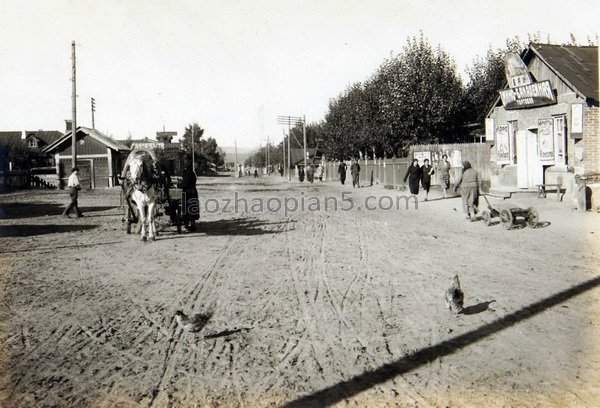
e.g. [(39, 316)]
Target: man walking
[(74, 187), (342, 171), (355, 172)]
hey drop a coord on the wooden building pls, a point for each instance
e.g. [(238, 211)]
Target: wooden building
[(544, 127), (99, 158)]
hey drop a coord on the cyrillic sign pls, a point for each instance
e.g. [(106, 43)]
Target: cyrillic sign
[(527, 96)]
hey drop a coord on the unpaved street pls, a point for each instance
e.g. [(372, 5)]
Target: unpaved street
[(308, 308)]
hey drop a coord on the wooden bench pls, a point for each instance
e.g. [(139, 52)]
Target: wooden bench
[(542, 189)]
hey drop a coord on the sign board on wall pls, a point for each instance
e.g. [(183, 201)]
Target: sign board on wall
[(456, 158), (502, 145), (577, 120), (516, 71), (421, 156), (528, 96), (489, 129), (546, 139)]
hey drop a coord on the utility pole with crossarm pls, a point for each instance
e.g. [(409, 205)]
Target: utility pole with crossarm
[(295, 120)]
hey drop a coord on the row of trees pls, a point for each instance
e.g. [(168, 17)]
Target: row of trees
[(414, 97)]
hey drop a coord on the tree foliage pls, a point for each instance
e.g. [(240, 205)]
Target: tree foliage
[(414, 97), (486, 77)]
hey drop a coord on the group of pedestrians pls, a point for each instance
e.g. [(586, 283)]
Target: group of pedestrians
[(354, 172), (313, 172), (416, 174)]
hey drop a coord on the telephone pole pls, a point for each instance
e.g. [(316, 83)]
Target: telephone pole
[(289, 120), (74, 111), (94, 110), (193, 153)]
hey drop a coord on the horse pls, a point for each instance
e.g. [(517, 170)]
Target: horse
[(142, 190)]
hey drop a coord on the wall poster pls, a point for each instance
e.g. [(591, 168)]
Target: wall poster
[(576, 120), (546, 139), (502, 145)]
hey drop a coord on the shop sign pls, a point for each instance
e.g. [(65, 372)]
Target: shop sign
[(528, 96), (516, 71), (546, 139), (502, 145)]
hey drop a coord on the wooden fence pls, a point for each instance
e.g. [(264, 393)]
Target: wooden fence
[(390, 172)]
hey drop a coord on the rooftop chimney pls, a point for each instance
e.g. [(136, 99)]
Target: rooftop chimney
[(68, 125)]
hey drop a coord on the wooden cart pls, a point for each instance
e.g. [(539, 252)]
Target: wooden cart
[(509, 215)]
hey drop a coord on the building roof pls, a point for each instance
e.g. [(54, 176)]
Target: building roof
[(105, 140), (46, 136), (575, 65)]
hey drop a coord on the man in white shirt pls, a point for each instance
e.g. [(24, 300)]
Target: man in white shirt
[(74, 187)]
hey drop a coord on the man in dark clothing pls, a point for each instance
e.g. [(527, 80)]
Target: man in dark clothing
[(342, 171), (355, 173)]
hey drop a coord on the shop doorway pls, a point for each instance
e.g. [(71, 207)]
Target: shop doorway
[(530, 171)]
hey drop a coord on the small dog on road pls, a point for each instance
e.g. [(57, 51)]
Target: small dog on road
[(454, 296)]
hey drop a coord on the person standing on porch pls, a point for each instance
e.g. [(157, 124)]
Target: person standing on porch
[(74, 187)]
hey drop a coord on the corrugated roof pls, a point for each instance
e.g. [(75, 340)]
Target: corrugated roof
[(578, 66)]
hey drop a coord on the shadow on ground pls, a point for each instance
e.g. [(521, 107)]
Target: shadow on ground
[(357, 384), (40, 209), (478, 308), (237, 226), (26, 230)]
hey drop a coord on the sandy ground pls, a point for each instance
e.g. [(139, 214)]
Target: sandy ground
[(308, 308)]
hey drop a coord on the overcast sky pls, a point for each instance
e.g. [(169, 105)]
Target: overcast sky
[(233, 66)]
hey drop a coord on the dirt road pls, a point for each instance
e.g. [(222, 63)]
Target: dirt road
[(309, 308)]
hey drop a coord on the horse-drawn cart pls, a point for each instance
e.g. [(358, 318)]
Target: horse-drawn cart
[(147, 194), (169, 205)]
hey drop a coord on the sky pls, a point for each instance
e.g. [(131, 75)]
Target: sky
[(233, 66)]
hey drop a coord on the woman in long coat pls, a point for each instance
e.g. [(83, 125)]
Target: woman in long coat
[(191, 203), (413, 175)]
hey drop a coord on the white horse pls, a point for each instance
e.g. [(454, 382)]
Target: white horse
[(142, 192)]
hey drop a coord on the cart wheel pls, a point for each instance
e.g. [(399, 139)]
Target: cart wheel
[(532, 217), (506, 218), (178, 219), (487, 217)]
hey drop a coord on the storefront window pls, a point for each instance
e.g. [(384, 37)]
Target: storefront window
[(560, 140)]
